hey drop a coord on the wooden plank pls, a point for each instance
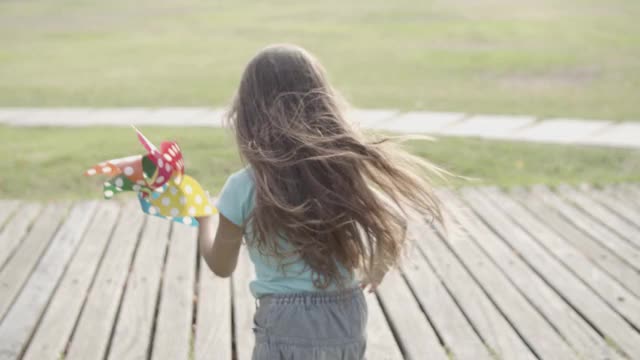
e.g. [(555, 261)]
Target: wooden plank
[(134, 326), (19, 323), (417, 338), (563, 281), (243, 306), (459, 337), (18, 269), (592, 248), (602, 214), (7, 208), (619, 298), (173, 335), (495, 330), (622, 195), (16, 229), (213, 323), (632, 190), (524, 298), (623, 249), (91, 337), (55, 329), (380, 341), (621, 208)]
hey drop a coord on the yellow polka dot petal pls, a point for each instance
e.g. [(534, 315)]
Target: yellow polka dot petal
[(185, 199)]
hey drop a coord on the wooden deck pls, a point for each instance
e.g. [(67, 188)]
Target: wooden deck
[(526, 274)]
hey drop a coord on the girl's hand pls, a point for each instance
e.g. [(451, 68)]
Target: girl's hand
[(373, 282), (372, 286)]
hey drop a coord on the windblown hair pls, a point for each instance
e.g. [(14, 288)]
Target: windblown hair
[(336, 197)]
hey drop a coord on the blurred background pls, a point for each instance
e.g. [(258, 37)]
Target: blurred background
[(576, 59)]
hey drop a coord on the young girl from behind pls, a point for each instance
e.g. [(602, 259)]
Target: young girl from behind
[(323, 211)]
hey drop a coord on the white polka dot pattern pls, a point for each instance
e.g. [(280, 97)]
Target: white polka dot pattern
[(186, 199)]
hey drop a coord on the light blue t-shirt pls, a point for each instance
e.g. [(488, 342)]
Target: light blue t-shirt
[(235, 203)]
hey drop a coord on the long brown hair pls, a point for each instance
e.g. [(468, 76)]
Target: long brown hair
[(336, 197)]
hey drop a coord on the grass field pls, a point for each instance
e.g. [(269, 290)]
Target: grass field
[(548, 58), (47, 163)]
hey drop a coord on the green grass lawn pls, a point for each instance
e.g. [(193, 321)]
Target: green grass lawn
[(47, 163), (548, 57)]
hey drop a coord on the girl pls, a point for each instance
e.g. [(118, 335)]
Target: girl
[(322, 210)]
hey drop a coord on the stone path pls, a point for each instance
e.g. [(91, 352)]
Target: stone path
[(531, 273), (500, 127)]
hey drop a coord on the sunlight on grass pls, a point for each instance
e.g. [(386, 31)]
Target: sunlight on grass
[(546, 58)]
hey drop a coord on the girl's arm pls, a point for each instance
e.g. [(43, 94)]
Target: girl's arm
[(219, 251)]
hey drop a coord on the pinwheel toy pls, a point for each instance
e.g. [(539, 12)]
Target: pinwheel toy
[(160, 183)]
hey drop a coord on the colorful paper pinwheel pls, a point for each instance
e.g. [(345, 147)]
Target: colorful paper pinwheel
[(158, 179)]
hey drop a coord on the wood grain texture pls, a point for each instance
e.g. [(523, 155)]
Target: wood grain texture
[(7, 208), (503, 340), (16, 229), (618, 246), (524, 298), (244, 306), (601, 213), (524, 274), (590, 247), (417, 338), (20, 322), (55, 328), (380, 341), (554, 248), (19, 268), (173, 335), (94, 328), (450, 322), (213, 323), (134, 326), (564, 282)]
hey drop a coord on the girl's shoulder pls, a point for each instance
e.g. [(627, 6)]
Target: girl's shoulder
[(241, 178), (235, 201)]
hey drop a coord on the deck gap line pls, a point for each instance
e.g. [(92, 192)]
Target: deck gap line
[(196, 297), (442, 237), (93, 279), (598, 194), (392, 327), (62, 274), (232, 314), (528, 265), (589, 214), (561, 199), (486, 292), (576, 225), (124, 290), (596, 198), (35, 266), (46, 307), (522, 202), (26, 233), (12, 213), (566, 266), (156, 310), (455, 300), (426, 315), (554, 289)]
